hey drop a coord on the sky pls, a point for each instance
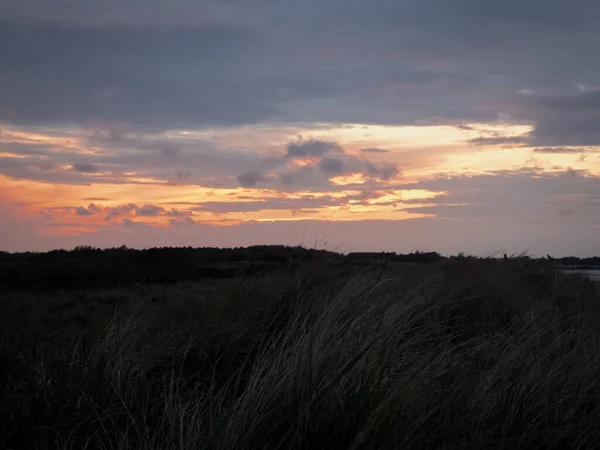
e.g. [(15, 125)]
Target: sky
[(352, 125)]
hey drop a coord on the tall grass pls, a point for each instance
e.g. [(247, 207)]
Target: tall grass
[(467, 354)]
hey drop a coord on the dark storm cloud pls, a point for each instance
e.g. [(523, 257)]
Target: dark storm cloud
[(564, 119), (183, 63), (160, 78)]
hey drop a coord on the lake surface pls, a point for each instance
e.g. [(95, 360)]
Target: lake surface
[(593, 275)]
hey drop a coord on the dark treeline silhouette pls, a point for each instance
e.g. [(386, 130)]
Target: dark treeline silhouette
[(86, 266), (415, 257)]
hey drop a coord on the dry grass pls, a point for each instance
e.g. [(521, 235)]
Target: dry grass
[(467, 354)]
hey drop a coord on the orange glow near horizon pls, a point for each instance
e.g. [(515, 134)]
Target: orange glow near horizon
[(355, 178), (419, 152), (54, 143), (61, 201)]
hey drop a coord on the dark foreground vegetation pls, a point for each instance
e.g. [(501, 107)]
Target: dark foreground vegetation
[(88, 267), (455, 354)]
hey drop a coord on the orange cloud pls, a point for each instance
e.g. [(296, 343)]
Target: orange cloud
[(127, 198)]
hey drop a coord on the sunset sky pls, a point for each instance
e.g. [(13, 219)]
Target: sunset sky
[(353, 125)]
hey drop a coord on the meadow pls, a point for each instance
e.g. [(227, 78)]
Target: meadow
[(449, 354)]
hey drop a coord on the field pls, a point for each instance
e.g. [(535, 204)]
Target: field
[(451, 353)]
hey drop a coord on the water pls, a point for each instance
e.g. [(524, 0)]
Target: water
[(593, 275)]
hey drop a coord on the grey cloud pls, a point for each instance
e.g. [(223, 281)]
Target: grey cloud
[(403, 62), (562, 119), (120, 211), (332, 166), (85, 168), (150, 211), (81, 211), (196, 161), (111, 12), (177, 213), (183, 76), (287, 179), (385, 170), (250, 178), (182, 174), (312, 148), (335, 166), (22, 149), (301, 178), (517, 196), (186, 221), (111, 132), (91, 210), (166, 149), (37, 170), (189, 160), (134, 13), (208, 64)]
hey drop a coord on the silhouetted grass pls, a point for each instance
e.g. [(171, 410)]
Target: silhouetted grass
[(459, 354)]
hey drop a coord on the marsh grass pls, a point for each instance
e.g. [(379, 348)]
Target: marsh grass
[(467, 354)]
